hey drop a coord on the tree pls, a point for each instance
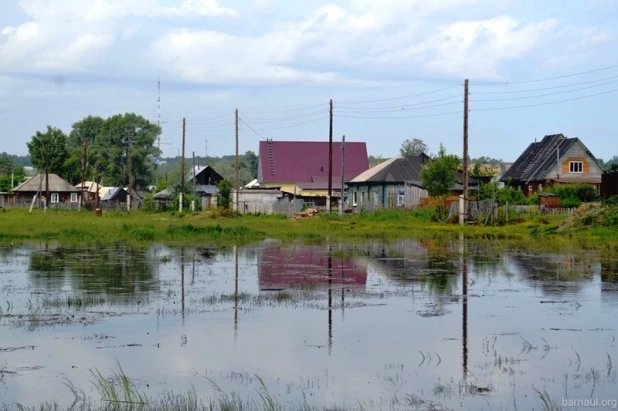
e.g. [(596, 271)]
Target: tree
[(375, 160), (413, 147), (439, 177), (225, 192), (10, 174), (482, 170), (251, 160), (120, 134), (83, 151), (48, 153)]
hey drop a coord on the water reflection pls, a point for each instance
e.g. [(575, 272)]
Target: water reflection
[(115, 270), (307, 267)]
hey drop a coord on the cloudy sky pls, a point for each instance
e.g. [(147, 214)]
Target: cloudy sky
[(394, 69)]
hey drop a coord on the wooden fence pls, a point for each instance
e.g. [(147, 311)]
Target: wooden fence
[(478, 209), (279, 207)]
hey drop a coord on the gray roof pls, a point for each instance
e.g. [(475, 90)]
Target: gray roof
[(164, 194), (540, 157), (206, 189), (56, 185), (112, 193), (397, 169)]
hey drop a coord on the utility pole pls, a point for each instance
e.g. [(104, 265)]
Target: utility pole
[(463, 214), (81, 199), (194, 174), (342, 174), (159, 111), (182, 165), (330, 160), (237, 162), (46, 180), (129, 155)]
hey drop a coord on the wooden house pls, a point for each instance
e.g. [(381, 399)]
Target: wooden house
[(396, 184), (301, 168), (62, 194), (206, 180), (555, 160)]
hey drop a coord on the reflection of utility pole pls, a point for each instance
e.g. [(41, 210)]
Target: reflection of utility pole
[(182, 283), (464, 311), (330, 301), (342, 291), (235, 292)]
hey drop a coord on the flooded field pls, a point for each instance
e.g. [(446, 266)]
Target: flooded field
[(389, 326)]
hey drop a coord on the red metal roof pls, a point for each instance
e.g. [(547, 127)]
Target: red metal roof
[(307, 161)]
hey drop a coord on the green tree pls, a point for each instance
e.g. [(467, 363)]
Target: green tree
[(120, 134), (413, 147), (83, 140), (439, 177), (10, 173), (225, 192), (48, 151), (375, 160), (251, 161)]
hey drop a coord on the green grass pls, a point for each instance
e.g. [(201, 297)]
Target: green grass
[(138, 227)]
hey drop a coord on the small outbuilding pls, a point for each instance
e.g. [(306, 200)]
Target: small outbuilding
[(549, 200)]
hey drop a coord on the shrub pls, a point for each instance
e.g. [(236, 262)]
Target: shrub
[(570, 202), (150, 205)]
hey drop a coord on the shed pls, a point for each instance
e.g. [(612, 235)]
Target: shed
[(549, 200)]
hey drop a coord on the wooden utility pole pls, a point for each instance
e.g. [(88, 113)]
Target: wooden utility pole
[(182, 165), (465, 155), (330, 160), (46, 180), (236, 183), (342, 174), (81, 199), (129, 155), (194, 174)]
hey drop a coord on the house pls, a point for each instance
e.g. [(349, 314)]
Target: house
[(116, 198), (62, 194), (164, 199), (555, 160), (395, 183), (206, 180), (609, 185), (88, 190), (301, 168)]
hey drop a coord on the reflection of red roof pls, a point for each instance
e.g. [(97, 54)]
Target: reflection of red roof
[(307, 267), (307, 161)]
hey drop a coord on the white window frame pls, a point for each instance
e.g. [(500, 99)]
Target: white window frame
[(573, 163), (74, 197), (55, 198), (362, 196), (401, 200), (354, 197)]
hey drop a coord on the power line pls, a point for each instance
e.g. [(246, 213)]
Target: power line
[(281, 119), (547, 94), (401, 106), (399, 98), (547, 78), (294, 125), (285, 111), (547, 103), (544, 88), (213, 118), (404, 117), (352, 111)]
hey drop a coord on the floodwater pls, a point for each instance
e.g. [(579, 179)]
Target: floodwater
[(404, 325)]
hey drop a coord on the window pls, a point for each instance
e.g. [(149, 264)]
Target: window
[(529, 188), (354, 197), (74, 197), (362, 199), (576, 166), (55, 198), (401, 198)]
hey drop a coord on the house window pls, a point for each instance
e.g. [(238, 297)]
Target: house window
[(530, 188), (576, 166), (401, 198), (362, 199), (55, 198), (74, 197), (354, 197)]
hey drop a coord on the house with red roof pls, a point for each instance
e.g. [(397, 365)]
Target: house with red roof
[(300, 168)]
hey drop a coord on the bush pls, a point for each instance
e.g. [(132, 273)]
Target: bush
[(582, 192), (150, 205), (570, 202), (507, 194)]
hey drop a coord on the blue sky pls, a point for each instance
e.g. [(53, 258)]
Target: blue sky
[(279, 62)]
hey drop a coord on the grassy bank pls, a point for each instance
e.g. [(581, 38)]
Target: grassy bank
[(84, 227)]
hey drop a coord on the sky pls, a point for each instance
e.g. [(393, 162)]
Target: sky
[(394, 69)]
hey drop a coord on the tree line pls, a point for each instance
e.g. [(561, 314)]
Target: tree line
[(107, 151)]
